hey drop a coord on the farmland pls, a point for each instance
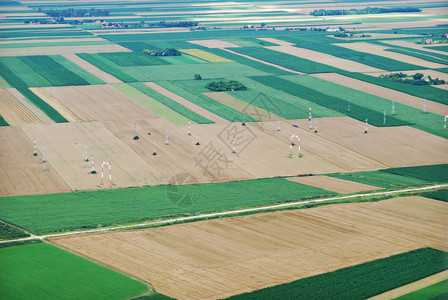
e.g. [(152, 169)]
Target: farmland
[(43, 270), (127, 175)]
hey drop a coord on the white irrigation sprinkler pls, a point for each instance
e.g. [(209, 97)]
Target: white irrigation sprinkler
[(44, 157), (365, 131), (197, 138), (348, 107), (310, 118), (135, 132), (189, 127), (86, 156), (244, 121), (154, 152), (444, 123), (384, 117), (278, 123), (92, 171), (298, 146), (166, 137), (107, 164), (233, 145), (315, 126), (424, 106), (393, 108), (35, 148)]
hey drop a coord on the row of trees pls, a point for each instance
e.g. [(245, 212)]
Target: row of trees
[(164, 52), (362, 11), (222, 86), (416, 79), (68, 13)]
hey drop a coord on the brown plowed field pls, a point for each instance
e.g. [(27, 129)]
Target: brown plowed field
[(31, 107), (97, 102), (14, 112), (223, 257), (21, 172), (106, 77), (65, 151), (334, 184), (434, 107)]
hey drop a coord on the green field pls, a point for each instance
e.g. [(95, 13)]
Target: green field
[(43, 271), (54, 44), (183, 89), (107, 66), (441, 195), (438, 291), (427, 57), (439, 48), (68, 211), (360, 281), (175, 106), (399, 177), (132, 59), (19, 75), (42, 105)]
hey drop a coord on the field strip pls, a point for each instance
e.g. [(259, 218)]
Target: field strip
[(411, 287), (324, 58), (414, 46), (253, 111), (62, 40), (210, 57), (335, 184), (214, 43), (106, 77), (225, 213), (61, 50), (380, 50), (14, 112), (276, 41), (262, 61), (196, 108), (56, 104), (416, 102), (36, 111)]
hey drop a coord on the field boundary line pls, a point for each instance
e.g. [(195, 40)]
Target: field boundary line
[(224, 213)]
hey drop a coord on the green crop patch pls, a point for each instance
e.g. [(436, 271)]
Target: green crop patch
[(43, 271), (438, 291), (183, 89), (357, 111), (361, 281), (52, 71), (42, 105), (399, 177), (286, 60), (8, 232), (72, 67), (77, 210), (426, 57), (439, 48), (3, 122), (106, 66), (18, 74), (175, 106), (441, 195), (132, 59)]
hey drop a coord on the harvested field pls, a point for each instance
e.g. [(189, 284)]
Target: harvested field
[(205, 55), (250, 110), (380, 50), (334, 184), (385, 145), (203, 112), (434, 107), (407, 44), (56, 104), (223, 257), (276, 41), (65, 151), (21, 171), (214, 43), (324, 58), (13, 111), (96, 102), (62, 50), (106, 77), (31, 107)]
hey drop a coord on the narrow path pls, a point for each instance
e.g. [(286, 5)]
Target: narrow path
[(226, 213)]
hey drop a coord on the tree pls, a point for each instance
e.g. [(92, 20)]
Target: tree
[(197, 76), (417, 76)]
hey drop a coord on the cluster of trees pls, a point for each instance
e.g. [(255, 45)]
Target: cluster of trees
[(222, 86), (416, 79), (363, 11), (178, 24), (164, 52), (67, 13)]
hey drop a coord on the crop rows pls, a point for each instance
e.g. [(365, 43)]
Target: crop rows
[(90, 209), (361, 281), (132, 59), (105, 65)]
